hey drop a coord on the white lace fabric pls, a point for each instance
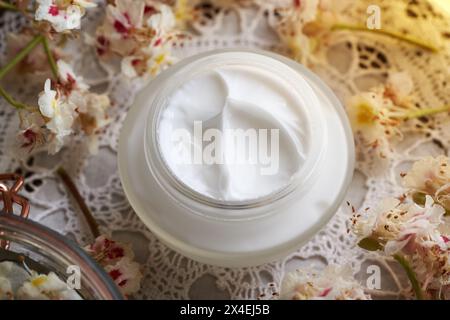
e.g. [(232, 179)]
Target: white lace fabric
[(350, 62)]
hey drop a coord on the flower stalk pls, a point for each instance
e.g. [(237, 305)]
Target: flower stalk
[(21, 55), (72, 188), (392, 34), (40, 39), (16, 104), (373, 245), (10, 65), (50, 58), (411, 276), (7, 6), (425, 112)]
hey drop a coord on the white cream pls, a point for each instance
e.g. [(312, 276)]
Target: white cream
[(227, 98)]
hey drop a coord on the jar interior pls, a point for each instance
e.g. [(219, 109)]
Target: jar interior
[(207, 94)]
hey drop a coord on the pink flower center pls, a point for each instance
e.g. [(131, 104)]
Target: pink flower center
[(116, 253), (30, 138), (325, 292), (149, 10), (127, 16), (53, 10), (71, 80), (103, 43), (158, 42), (115, 274), (123, 282), (120, 27)]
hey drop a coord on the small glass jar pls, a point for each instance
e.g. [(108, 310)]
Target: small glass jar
[(237, 233), (46, 251), (32, 246)]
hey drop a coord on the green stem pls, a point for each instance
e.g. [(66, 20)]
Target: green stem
[(21, 55), (50, 58), (11, 100), (7, 6), (68, 182), (425, 112), (411, 276), (392, 34)]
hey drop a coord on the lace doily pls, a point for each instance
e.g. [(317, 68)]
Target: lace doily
[(349, 62)]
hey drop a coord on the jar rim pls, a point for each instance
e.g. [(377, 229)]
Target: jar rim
[(208, 206)]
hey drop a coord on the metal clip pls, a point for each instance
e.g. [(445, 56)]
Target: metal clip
[(10, 196)]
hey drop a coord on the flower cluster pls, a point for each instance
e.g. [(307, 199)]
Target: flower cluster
[(292, 20), (62, 15), (414, 230), (430, 176), (397, 225), (375, 115), (117, 259), (334, 283), (46, 287), (303, 25), (6, 291), (140, 33), (66, 107), (16, 283)]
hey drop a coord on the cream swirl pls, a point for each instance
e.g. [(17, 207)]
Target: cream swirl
[(234, 133)]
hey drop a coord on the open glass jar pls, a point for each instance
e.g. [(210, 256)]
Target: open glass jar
[(237, 232), (33, 247)]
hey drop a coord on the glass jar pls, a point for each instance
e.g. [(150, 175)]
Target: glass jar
[(43, 250), (237, 233)]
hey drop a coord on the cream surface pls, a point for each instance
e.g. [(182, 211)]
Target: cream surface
[(204, 118)]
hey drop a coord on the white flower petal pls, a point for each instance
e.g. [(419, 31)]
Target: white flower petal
[(61, 19), (85, 3), (329, 284), (163, 21), (401, 83), (47, 100), (67, 75), (128, 68)]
